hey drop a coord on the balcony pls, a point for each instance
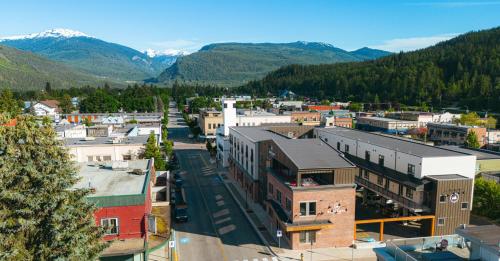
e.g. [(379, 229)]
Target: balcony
[(407, 203), (291, 226)]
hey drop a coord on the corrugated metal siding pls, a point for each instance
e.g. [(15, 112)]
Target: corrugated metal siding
[(452, 212), (345, 175)]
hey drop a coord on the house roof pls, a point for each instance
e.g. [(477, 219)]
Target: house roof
[(304, 153), (486, 236), (50, 103), (392, 143), (107, 141)]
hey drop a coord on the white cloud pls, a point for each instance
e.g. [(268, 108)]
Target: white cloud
[(412, 43), (177, 46)]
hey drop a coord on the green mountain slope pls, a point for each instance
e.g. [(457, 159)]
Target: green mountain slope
[(463, 70), (93, 56), (26, 71), (236, 63)]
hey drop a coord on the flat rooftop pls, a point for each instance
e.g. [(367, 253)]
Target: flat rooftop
[(385, 119), (485, 235), (304, 153), (142, 139), (112, 182), (480, 154), (392, 143)]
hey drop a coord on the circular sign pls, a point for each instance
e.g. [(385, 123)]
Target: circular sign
[(454, 197)]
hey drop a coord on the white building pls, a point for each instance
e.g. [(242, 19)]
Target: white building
[(403, 156), (246, 118), (294, 104), (46, 108), (445, 117), (106, 149), (71, 131)]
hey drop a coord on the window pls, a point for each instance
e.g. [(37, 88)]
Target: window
[(411, 169), (307, 208), (225, 105), (307, 236), (381, 160), (107, 158), (271, 189), (442, 199), (251, 155), (346, 148), (90, 158), (409, 192), (127, 157), (365, 174), (110, 225), (465, 205), (278, 196), (367, 155), (440, 222), (380, 180), (288, 204), (338, 145)]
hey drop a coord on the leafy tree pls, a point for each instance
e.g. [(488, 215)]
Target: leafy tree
[(471, 140), (41, 216), (355, 106), (486, 195), (153, 151), (65, 104), (471, 119), (87, 122), (325, 102), (8, 104)]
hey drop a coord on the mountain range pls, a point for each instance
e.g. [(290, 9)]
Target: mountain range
[(237, 63), (93, 61), (89, 55), (463, 71)]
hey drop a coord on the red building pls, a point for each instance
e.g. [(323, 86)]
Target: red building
[(321, 108), (122, 193)]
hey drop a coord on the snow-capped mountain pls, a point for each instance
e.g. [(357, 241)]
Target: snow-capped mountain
[(168, 52), (54, 33), (91, 55)]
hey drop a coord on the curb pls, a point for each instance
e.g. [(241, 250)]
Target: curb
[(249, 218)]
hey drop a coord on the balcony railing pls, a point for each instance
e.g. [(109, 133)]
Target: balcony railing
[(391, 195)]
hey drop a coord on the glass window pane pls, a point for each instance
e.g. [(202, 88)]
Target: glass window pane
[(303, 209), (312, 208)]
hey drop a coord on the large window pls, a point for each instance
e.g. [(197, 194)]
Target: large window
[(381, 160), (307, 208), (409, 193), (278, 196), (367, 155), (307, 236), (338, 145), (346, 148), (380, 180), (411, 169), (288, 204), (110, 226)]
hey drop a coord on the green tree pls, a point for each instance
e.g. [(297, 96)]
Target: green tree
[(87, 122), (9, 106), (486, 195), (470, 119), (471, 140), (41, 216), (153, 151), (65, 104)]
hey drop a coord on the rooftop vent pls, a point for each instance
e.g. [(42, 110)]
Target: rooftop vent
[(138, 172)]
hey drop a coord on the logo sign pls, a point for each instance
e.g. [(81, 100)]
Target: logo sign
[(279, 233), (454, 197), (171, 244)]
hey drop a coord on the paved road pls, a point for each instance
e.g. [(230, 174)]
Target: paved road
[(217, 229)]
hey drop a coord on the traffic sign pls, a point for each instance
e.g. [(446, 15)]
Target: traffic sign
[(171, 244), (279, 233)]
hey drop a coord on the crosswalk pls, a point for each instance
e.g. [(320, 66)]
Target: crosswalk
[(261, 259)]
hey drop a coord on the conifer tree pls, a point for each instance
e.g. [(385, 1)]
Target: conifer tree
[(41, 216), (153, 151)]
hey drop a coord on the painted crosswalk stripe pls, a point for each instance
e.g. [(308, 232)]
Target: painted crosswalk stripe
[(220, 221), (275, 258), (226, 229), (221, 213), (265, 259), (255, 259)]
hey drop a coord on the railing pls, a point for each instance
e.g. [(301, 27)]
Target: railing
[(399, 248), (396, 197)]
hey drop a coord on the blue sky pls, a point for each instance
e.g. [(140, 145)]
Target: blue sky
[(188, 25)]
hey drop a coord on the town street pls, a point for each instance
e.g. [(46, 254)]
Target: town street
[(217, 229)]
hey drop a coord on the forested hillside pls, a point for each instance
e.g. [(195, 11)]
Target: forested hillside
[(26, 71), (462, 71), (237, 63)]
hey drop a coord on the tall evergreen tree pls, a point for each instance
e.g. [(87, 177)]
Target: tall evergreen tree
[(41, 216), (471, 140), (153, 151), (8, 104)]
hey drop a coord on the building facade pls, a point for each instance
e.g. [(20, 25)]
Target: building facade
[(208, 121), (452, 134), (310, 118), (106, 149), (419, 179), (386, 125)]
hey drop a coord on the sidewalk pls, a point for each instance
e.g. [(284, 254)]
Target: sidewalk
[(258, 217)]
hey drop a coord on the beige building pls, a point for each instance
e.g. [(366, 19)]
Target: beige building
[(106, 149), (208, 121)]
